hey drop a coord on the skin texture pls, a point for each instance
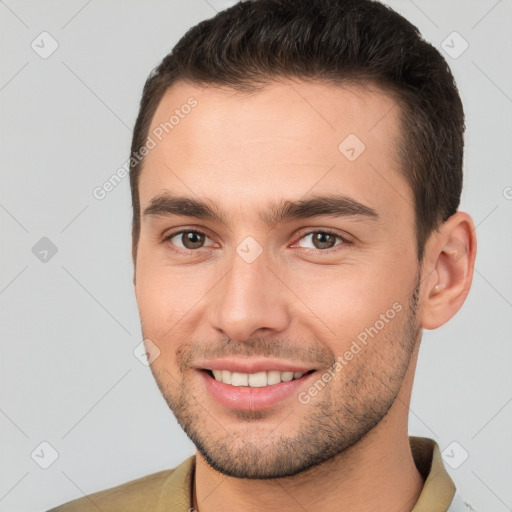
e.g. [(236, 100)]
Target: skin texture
[(298, 302)]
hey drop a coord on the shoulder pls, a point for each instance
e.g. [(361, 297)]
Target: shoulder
[(128, 496), (133, 496)]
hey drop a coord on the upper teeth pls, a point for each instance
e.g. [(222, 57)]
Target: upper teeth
[(254, 380)]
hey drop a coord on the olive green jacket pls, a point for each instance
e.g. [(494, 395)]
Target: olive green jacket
[(171, 490)]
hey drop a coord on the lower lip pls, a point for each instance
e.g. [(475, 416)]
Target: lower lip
[(245, 398)]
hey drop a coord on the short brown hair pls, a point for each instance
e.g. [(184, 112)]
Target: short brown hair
[(248, 45)]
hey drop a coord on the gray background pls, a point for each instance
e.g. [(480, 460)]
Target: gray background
[(69, 321)]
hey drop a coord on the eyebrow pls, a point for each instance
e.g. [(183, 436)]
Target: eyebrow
[(330, 205)]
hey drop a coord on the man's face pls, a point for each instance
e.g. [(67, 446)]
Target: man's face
[(253, 297)]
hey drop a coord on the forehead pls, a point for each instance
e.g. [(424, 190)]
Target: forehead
[(284, 141), (287, 109)]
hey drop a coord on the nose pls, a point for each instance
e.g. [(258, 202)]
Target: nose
[(249, 299)]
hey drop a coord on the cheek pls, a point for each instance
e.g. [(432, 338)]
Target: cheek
[(163, 306), (347, 300), (167, 295)]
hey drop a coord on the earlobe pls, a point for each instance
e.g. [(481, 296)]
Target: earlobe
[(451, 254)]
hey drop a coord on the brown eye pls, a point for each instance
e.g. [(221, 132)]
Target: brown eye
[(192, 239), (187, 239), (321, 240)]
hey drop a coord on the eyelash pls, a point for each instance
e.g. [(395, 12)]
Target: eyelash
[(327, 231)]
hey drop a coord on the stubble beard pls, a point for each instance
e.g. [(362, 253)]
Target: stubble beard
[(368, 387)]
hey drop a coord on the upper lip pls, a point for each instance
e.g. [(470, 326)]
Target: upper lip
[(251, 365)]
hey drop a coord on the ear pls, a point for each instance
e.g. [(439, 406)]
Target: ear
[(447, 271)]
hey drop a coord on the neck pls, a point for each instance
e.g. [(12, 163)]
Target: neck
[(377, 473)]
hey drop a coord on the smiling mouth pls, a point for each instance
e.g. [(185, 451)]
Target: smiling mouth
[(254, 380)]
